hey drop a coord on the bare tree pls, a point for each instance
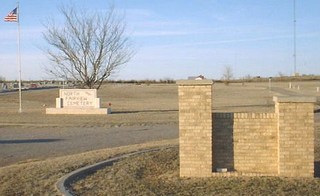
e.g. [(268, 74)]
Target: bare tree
[(227, 74), (88, 47)]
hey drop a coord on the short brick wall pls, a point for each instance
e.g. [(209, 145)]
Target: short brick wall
[(245, 142), (257, 144)]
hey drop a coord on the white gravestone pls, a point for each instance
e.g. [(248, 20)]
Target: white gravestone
[(78, 101)]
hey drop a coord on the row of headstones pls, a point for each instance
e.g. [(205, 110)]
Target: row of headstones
[(298, 87)]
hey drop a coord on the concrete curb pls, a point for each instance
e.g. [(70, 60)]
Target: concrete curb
[(63, 184)]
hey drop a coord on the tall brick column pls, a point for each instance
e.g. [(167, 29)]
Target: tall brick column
[(195, 128), (295, 136)]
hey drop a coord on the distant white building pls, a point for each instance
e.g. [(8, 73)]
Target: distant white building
[(200, 77)]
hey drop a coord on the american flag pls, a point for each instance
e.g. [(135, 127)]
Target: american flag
[(12, 16)]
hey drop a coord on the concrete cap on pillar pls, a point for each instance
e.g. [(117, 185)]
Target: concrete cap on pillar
[(294, 99), (194, 82)]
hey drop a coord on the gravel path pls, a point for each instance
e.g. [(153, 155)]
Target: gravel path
[(24, 143)]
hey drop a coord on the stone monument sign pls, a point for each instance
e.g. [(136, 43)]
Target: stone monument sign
[(78, 101)]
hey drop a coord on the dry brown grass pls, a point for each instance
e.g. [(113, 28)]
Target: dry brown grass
[(140, 104), (131, 104), (39, 177), (157, 173)]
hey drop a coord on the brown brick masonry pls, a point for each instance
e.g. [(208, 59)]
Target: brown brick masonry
[(253, 144)]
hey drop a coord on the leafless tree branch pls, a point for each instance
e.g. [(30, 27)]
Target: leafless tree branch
[(88, 47)]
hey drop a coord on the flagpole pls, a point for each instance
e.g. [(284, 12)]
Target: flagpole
[(19, 58)]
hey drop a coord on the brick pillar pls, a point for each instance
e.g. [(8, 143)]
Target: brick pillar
[(295, 136), (195, 128)]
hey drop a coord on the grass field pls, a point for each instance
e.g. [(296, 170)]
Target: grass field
[(131, 104), (141, 105)]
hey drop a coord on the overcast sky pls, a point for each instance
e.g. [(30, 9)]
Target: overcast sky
[(178, 38)]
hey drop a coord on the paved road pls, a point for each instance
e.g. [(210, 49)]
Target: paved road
[(22, 143)]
